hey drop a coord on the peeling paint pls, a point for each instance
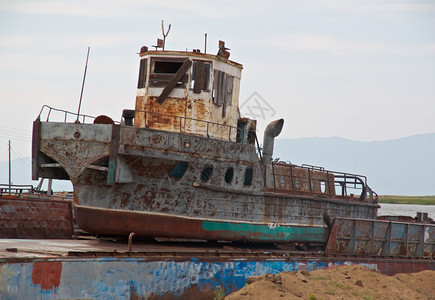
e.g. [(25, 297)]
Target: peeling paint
[(135, 277)]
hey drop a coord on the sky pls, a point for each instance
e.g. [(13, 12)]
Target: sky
[(361, 70)]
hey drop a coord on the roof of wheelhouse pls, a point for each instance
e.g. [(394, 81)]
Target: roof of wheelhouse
[(190, 54)]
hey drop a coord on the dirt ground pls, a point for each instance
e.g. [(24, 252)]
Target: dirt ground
[(344, 282)]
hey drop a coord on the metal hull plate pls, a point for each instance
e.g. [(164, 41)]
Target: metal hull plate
[(150, 224)]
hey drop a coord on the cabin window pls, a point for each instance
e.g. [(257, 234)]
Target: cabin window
[(178, 171), (248, 176), (170, 67), (142, 74), (206, 173), (162, 71), (200, 76), (229, 174), (222, 88)]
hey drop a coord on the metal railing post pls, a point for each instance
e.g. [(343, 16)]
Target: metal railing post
[(273, 174)]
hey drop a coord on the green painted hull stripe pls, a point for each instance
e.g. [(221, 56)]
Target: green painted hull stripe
[(268, 233)]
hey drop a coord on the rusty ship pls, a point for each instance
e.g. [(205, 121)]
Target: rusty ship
[(185, 164)]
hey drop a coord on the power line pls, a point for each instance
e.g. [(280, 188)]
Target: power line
[(19, 130), (14, 132), (12, 137)]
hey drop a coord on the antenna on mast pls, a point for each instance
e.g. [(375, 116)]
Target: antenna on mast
[(165, 34), (83, 85)]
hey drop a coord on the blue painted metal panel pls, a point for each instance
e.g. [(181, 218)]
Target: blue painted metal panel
[(110, 278)]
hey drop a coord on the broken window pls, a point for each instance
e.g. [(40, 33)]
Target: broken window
[(200, 76), (206, 173), (229, 174), (162, 71), (248, 176), (142, 74), (178, 171), (166, 66), (222, 89), (246, 131)]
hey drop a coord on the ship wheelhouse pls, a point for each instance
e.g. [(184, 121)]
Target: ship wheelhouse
[(190, 92)]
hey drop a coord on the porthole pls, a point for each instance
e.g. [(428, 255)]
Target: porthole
[(248, 176), (229, 174), (178, 171), (206, 173)]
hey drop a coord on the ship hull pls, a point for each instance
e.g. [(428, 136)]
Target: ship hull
[(152, 224), (128, 179)]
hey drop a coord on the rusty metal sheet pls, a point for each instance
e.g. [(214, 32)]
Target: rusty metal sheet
[(147, 224), (35, 218), (191, 276), (378, 237)]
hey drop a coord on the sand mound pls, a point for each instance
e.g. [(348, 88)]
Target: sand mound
[(344, 282)]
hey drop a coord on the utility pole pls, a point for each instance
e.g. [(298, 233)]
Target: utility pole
[(10, 167)]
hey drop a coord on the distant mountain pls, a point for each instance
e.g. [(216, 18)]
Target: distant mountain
[(21, 173), (394, 167)]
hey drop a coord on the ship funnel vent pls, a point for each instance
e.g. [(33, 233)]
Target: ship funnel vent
[(270, 133)]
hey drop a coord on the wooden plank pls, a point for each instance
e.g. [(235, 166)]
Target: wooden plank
[(161, 80), (173, 82), (198, 86), (142, 73)]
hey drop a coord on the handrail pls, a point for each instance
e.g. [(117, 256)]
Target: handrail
[(147, 114), (19, 189), (64, 112), (29, 192), (341, 179)]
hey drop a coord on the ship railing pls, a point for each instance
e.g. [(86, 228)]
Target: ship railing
[(222, 131), (30, 192), (50, 113), (314, 180), (15, 189)]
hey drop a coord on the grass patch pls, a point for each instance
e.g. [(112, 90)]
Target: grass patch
[(339, 285), (418, 200), (320, 278), (219, 293), (312, 297), (367, 296), (330, 293)]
